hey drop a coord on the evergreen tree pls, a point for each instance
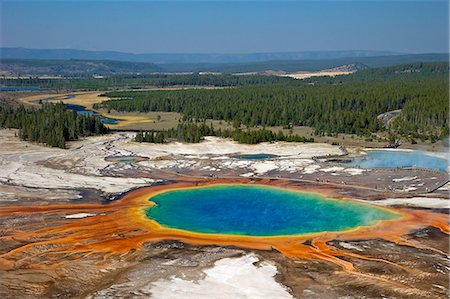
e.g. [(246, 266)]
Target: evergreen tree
[(52, 124)]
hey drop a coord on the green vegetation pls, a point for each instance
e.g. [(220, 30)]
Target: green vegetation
[(307, 64), (52, 124), (193, 133), (345, 104), (348, 108), (423, 119), (76, 67), (88, 67), (407, 72), (141, 81)]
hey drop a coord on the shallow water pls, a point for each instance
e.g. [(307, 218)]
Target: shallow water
[(256, 157), (69, 96), (126, 159), (400, 159), (259, 211), (43, 100), (79, 109), (82, 110), (108, 121), (51, 99)]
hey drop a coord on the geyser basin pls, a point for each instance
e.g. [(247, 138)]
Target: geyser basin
[(259, 211)]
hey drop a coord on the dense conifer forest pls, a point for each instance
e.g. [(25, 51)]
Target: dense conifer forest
[(330, 106), (53, 124), (194, 133), (139, 81), (412, 71), (343, 104)]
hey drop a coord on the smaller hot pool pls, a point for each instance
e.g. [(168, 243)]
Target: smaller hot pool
[(256, 156), (401, 159), (125, 159)]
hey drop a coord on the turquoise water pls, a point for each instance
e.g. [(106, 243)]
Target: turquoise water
[(400, 159), (258, 211), (125, 159), (256, 157)]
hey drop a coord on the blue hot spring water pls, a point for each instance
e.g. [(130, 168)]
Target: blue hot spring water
[(400, 159), (257, 156), (259, 211)]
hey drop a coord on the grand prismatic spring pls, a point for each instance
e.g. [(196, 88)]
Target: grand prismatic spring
[(259, 211), (243, 214)]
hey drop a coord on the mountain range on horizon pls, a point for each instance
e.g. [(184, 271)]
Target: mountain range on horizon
[(170, 58), (15, 61)]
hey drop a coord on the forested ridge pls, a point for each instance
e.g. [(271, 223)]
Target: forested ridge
[(423, 119), (308, 64), (52, 124), (343, 104), (107, 64), (350, 107), (146, 80), (75, 67), (411, 71)]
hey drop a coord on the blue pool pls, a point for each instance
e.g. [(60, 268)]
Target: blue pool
[(259, 211), (256, 156), (400, 159), (126, 159)]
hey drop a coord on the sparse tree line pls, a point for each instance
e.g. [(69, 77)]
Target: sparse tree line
[(52, 124), (194, 133)]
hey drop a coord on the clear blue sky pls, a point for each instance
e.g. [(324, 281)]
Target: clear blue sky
[(226, 26)]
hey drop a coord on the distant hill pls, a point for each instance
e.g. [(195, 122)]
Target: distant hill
[(83, 68), (409, 71), (414, 71), (161, 58), (411, 68), (309, 65), (352, 67), (73, 68)]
